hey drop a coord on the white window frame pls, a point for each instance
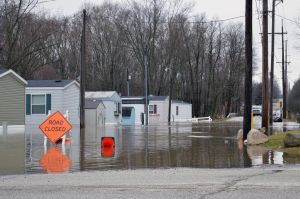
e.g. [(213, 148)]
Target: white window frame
[(151, 112), (45, 101)]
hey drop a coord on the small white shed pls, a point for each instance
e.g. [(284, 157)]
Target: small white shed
[(54, 95), (181, 111), (94, 113), (112, 102)]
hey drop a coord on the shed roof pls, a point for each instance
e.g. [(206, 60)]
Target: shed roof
[(49, 83), (103, 95), (92, 103), (180, 102), (158, 98)]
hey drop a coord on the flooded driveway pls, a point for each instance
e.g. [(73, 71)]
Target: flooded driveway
[(204, 145)]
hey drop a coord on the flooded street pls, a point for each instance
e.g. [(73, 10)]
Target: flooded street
[(203, 145)]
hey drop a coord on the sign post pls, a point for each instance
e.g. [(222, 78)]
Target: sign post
[(55, 126)]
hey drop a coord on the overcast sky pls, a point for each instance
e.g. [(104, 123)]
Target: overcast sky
[(224, 9)]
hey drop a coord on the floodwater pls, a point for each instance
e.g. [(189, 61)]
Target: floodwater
[(203, 145)]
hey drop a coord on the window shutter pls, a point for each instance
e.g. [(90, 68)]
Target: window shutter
[(48, 103), (28, 104), (155, 109)]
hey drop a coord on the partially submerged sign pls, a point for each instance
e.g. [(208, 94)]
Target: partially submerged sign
[(55, 126)]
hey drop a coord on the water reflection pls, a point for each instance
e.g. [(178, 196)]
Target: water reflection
[(183, 145), (54, 161)]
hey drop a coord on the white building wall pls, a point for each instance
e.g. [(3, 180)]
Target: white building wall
[(162, 112), (100, 115), (110, 108), (90, 117), (138, 110), (56, 104), (184, 112), (71, 102)]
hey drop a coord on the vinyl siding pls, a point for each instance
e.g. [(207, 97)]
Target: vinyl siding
[(71, 102), (110, 118), (61, 100), (162, 112), (184, 112), (138, 110), (12, 101), (56, 104)]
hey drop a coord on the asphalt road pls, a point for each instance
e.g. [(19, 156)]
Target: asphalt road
[(268, 182)]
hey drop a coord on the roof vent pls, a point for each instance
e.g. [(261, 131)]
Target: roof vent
[(57, 81)]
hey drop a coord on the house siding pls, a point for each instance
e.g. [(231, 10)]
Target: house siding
[(138, 110), (71, 102), (56, 104), (110, 107), (12, 101), (184, 112), (162, 112)]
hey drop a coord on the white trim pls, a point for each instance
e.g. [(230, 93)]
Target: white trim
[(53, 88), (74, 81), (15, 74), (45, 95), (44, 88)]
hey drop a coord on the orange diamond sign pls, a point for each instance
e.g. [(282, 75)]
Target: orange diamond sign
[(55, 126)]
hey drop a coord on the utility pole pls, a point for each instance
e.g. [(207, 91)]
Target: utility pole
[(284, 63), (82, 72), (248, 70), (170, 94), (146, 89), (265, 79), (285, 84), (128, 79), (272, 64)]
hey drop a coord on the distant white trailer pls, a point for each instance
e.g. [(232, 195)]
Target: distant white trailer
[(181, 111), (113, 105)]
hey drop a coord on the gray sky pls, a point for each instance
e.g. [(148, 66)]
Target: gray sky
[(224, 9)]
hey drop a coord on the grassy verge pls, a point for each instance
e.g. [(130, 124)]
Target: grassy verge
[(276, 143)]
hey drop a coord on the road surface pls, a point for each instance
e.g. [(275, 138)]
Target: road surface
[(259, 182)]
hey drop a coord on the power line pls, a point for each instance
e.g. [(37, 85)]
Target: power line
[(285, 18)]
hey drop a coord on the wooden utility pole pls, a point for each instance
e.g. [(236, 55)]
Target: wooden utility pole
[(170, 94), (272, 62), (128, 79), (82, 73), (248, 70), (146, 89), (272, 65), (283, 84), (265, 79)]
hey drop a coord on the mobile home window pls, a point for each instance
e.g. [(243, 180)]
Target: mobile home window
[(153, 109), (38, 104), (177, 110)]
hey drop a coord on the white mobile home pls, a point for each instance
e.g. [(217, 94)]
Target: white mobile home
[(158, 109), (112, 102), (181, 111), (133, 110), (54, 95), (94, 113)]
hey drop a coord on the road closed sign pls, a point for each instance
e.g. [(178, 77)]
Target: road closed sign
[(55, 126)]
